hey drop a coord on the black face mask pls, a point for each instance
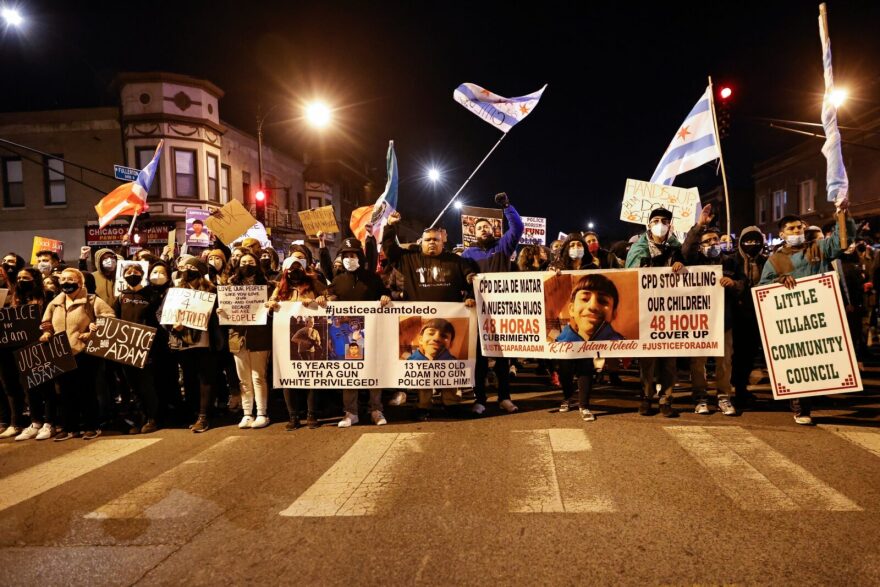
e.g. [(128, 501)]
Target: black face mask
[(133, 280), (10, 269), (192, 274), (247, 270), (752, 249), (25, 286), (69, 288), (265, 263), (861, 247)]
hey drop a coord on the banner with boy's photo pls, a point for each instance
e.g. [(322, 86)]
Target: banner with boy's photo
[(356, 345), (649, 312)]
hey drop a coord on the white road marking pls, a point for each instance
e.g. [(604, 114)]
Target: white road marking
[(867, 438), (755, 476), (355, 483), (559, 478), (39, 479), (171, 494)]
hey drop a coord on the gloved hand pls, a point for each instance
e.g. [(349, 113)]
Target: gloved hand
[(502, 200)]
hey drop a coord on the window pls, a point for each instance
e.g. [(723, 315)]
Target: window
[(225, 173), (762, 209), (315, 202), (213, 179), (300, 202), (780, 197), (13, 183), (185, 183), (144, 155), (56, 194), (246, 187), (807, 195)]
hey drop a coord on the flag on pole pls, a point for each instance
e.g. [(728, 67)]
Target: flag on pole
[(836, 180), (378, 213), (695, 143), (131, 197), (500, 112)]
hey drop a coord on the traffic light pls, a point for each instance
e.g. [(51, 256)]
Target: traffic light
[(260, 204), (722, 110)]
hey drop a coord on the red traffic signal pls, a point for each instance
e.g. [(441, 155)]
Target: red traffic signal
[(726, 92), (260, 196)]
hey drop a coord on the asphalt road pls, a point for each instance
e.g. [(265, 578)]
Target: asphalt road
[(537, 497)]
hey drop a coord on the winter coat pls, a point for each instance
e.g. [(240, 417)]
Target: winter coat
[(640, 253), (104, 287), (496, 259), (357, 286), (74, 316), (729, 268), (788, 260)]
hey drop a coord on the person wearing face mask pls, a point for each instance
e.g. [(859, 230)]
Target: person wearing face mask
[(657, 247), (250, 347), (105, 275), (270, 265), (12, 263), (602, 258), (217, 267), (165, 366), (746, 337), (703, 247), (74, 311), (356, 284), (796, 259), (47, 262), (138, 303)]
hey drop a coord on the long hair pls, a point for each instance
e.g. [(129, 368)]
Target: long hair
[(236, 278), (565, 262), (38, 294)]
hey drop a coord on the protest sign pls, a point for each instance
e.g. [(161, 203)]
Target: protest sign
[(42, 243), (242, 305), (20, 325), (351, 345), (469, 217), (3, 293), (230, 222), (318, 220), (120, 285), (124, 342), (44, 361), (806, 338), (649, 312), (258, 232), (534, 231), (198, 231), (640, 197), (189, 307)]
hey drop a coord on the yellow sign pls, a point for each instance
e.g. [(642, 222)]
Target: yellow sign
[(319, 220), (230, 222)]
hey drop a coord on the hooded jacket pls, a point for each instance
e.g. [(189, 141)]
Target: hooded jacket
[(788, 260), (730, 268), (752, 267), (640, 253), (103, 286), (496, 259)]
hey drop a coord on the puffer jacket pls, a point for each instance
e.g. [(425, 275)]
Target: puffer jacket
[(74, 316), (103, 285)]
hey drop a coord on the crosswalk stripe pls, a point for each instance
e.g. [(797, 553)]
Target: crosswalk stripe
[(146, 500), (39, 479), (755, 476), (867, 439), (559, 478), (354, 484)]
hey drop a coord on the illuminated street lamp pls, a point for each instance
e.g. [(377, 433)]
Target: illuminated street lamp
[(318, 114), (838, 97), (457, 205), (590, 225), (12, 17), (434, 175)]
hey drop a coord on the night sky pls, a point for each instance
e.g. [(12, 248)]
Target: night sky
[(621, 79)]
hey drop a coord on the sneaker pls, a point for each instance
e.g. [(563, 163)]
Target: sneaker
[(46, 432), (10, 432), (399, 399), (200, 425), (726, 406), (702, 408), (450, 397), (149, 427), (260, 422), (246, 422), (667, 411), (508, 406), (62, 436), (554, 379), (512, 370), (91, 434), (587, 415), (378, 418), (567, 404), (292, 425), (477, 409), (29, 433), (348, 421), (645, 408), (803, 419), (312, 422)]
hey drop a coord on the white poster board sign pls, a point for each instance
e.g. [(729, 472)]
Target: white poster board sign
[(640, 197), (242, 305)]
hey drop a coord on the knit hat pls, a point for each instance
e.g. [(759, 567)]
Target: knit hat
[(217, 253), (197, 264), (251, 243)]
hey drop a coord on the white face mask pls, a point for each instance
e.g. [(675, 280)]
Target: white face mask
[(302, 262), (108, 263), (351, 264), (158, 279), (216, 264), (659, 230), (43, 267), (794, 240), (575, 253)]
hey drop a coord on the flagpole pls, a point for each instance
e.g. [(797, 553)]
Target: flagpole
[(131, 228), (720, 155), (445, 208), (824, 38)]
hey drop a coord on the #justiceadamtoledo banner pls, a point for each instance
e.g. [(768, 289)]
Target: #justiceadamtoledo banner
[(806, 338), (351, 345), (608, 313)]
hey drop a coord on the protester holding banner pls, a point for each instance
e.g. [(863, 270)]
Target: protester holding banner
[(703, 247), (74, 312), (602, 258), (12, 404), (250, 346), (139, 304), (657, 247), (165, 367)]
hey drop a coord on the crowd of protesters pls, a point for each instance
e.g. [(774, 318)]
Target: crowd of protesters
[(192, 375)]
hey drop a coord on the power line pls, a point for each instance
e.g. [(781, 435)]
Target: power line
[(65, 161), (42, 164)]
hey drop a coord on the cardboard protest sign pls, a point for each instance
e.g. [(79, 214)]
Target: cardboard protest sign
[(806, 338), (198, 231), (649, 312), (121, 341), (190, 307), (640, 197), (120, 285), (4, 292), (534, 231), (19, 326), (469, 217), (42, 243), (230, 222), (44, 361), (317, 220), (363, 345), (242, 305)]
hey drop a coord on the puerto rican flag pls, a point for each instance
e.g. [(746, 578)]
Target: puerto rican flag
[(129, 198)]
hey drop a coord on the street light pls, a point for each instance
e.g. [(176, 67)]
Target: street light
[(318, 114), (434, 175), (838, 97), (590, 225), (12, 17), (457, 205)]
